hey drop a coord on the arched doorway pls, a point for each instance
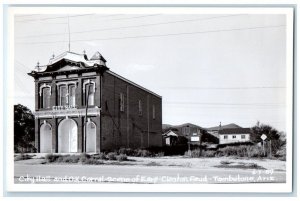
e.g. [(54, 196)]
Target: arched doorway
[(91, 137), (67, 136), (45, 138)]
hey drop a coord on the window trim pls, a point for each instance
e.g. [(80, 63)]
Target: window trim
[(85, 83), (67, 85), (45, 86), (42, 106)]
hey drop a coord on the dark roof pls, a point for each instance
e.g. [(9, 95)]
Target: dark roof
[(235, 131), (232, 125)]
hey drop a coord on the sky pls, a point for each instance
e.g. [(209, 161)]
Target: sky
[(228, 68)]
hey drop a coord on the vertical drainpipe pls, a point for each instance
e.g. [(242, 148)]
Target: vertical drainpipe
[(127, 114), (100, 117), (148, 121)]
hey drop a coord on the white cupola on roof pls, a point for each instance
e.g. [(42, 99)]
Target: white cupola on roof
[(97, 57)]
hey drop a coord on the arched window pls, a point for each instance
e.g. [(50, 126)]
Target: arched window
[(89, 89), (72, 95), (63, 99), (91, 137), (45, 95), (45, 138)]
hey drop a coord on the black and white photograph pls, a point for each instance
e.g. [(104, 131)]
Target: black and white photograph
[(151, 99)]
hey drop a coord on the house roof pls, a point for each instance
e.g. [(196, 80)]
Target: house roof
[(82, 62), (228, 126), (170, 133), (234, 131), (97, 59)]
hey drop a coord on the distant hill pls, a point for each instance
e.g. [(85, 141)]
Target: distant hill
[(232, 125), (166, 126)]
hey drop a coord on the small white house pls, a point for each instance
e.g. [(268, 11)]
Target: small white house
[(234, 135)]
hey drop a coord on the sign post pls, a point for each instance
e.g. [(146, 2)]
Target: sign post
[(263, 137)]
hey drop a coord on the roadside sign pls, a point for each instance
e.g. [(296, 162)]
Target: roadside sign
[(195, 139), (263, 137)]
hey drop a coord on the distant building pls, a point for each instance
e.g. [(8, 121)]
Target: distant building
[(170, 138), (191, 132), (234, 135), (215, 130), (71, 87)]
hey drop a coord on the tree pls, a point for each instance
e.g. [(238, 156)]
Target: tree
[(269, 131), (23, 128), (275, 144)]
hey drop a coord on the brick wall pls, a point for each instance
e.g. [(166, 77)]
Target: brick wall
[(128, 128)]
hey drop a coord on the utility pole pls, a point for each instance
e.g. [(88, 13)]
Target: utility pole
[(86, 111), (69, 33), (270, 148)]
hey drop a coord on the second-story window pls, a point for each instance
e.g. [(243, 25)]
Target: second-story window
[(89, 92), (153, 111), (67, 95), (122, 106), (186, 130), (63, 95), (46, 97), (140, 108), (72, 96)]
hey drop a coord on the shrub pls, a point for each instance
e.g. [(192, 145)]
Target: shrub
[(152, 163), (226, 162), (92, 161), (112, 156), (50, 158), (122, 151), (193, 153), (208, 153), (160, 154), (143, 153), (127, 151), (84, 157), (121, 157), (100, 156), (22, 157), (241, 151), (196, 153), (70, 158)]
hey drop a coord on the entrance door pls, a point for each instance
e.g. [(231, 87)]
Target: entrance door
[(67, 136), (45, 138)]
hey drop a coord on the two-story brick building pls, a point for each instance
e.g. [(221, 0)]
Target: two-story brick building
[(82, 106)]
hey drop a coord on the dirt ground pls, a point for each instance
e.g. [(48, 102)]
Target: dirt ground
[(184, 162)]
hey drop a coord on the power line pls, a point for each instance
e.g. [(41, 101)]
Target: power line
[(158, 35), (229, 104), (50, 18), (134, 26), (223, 88), (126, 18)]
